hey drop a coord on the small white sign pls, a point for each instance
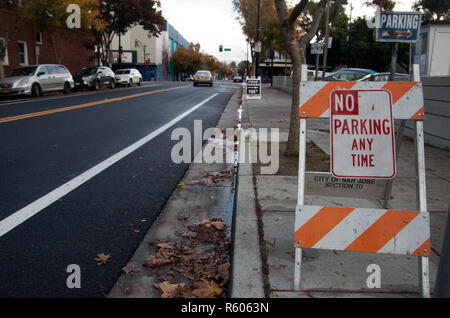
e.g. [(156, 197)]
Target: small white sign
[(362, 134), (258, 47), (317, 48), (253, 87)]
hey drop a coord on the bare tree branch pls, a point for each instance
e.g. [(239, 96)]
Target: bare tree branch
[(315, 24), (298, 9)]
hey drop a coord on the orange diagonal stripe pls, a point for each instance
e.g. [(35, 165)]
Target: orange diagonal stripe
[(398, 89), (320, 225), (416, 116), (320, 102), (382, 231), (424, 249)]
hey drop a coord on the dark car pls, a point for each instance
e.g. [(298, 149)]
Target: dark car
[(349, 74), (385, 77), (95, 78)]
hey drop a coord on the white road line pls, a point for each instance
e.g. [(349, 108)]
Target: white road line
[(32, 209)]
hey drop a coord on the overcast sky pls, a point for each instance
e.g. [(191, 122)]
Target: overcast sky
[(213, 22)]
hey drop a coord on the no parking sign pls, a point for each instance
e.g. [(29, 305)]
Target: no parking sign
[(362, 134)]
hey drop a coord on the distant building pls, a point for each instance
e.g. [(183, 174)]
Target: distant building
[(26, 45), (432, 50), (282, 66), (150, 55)]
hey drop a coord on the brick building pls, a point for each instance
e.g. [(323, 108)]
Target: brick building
[(25, 45)]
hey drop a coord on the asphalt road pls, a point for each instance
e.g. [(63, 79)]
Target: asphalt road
[(48, 142)]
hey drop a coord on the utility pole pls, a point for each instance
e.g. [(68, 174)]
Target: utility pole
[(246, 70), (258, 39), (119, 60), (325, 49)]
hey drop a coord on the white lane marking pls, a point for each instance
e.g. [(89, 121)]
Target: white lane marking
[(32, 209)]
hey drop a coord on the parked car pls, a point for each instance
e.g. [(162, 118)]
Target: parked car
[(384, 77), (203, 77), (186, 77), (349, 75), (36, 80), (238, 79), (95, 78), (128, 77)]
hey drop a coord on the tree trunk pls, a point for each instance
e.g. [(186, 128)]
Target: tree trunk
[(294, 130)]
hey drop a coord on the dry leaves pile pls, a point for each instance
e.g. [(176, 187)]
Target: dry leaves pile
[(197, 266), (212, 178)]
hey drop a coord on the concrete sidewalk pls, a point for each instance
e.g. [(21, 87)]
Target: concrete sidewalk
[(324, 273)]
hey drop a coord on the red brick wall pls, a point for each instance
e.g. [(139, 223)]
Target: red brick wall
[(78, 49)]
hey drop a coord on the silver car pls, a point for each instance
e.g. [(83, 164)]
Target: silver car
[(128, 77), (35, 80), (203, 77)]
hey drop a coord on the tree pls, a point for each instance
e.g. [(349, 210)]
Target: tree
[(270, 32), (50, 17), (338, 30), (120, 15), (188, 60), (433, 9), (385, 5), (242, 67), (296, 41)]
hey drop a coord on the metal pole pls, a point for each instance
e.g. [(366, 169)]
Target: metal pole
[(442, 288), (246, 70), (301, 189), (394, 61), (317, 66), (258, 39), (325, 50), (119, 60), (415, 77)]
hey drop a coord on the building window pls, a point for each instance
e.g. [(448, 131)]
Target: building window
[(4, 61), (39, 38), (23, 53)]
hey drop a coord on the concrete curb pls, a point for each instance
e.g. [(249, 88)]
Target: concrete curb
[(247, 278)]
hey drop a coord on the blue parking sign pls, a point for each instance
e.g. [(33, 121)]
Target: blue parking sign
[(398, 27)]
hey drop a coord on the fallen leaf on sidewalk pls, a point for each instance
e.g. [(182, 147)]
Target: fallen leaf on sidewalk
[(102, 258), (223, 271), (153, 261), (220, 225), (206, 289), (173, 290), (131, 269)]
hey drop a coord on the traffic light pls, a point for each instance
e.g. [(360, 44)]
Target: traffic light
[(147, 60), (220, 48)]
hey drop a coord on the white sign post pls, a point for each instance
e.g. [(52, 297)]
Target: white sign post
[(362, 134)]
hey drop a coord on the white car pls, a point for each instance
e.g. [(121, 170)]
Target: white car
[(128, 76)]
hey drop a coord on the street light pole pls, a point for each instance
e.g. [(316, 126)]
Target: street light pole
[(258, 39), (325, 50)]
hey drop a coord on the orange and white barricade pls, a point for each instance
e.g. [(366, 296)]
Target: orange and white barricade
[(356, 228)]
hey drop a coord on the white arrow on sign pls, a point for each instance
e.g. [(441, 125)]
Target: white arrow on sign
[(406, 34)]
